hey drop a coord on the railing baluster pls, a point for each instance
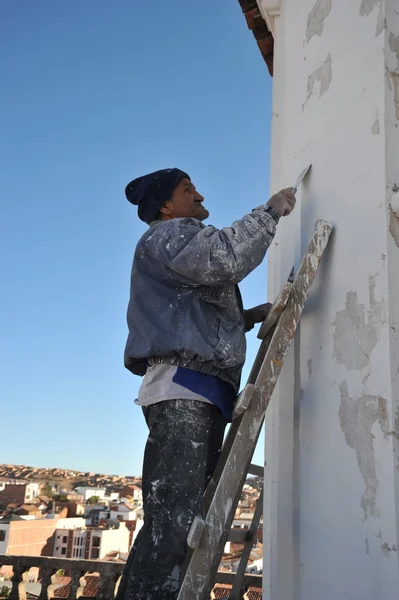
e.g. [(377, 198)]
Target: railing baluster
[(48, 566), (107, 587), (75, 582), (82, 585), (117, 583), (16, 580), (45, 581)]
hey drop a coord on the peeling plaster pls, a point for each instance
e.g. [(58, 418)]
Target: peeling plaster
[(395, 432), (354, 338), (394, 216), (376, 127), (394, 201), (316, 18), (381, 22), (394, 45), (310, 368), (395, 86), (357, 417), (323, 74), (394, 75), (386, 549), (367, 6), (394, 228)]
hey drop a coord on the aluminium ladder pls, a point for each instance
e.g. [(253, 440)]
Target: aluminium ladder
[(209, 532)]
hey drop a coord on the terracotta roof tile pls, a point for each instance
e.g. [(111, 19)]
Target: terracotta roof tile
[(90, 590), (221, 590), (262, 35), (253, 593)]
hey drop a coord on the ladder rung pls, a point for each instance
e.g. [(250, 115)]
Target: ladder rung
[(256, 470), (243, 400), (237, 535), (249, 579), (195, 533)]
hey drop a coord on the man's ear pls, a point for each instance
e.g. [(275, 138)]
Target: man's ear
[(165, 210)]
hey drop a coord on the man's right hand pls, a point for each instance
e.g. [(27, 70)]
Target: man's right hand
[(283, 202)]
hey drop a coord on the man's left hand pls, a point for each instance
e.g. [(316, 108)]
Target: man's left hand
[(256, 315)]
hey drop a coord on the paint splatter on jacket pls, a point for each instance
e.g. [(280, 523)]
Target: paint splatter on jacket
[(185, 308)]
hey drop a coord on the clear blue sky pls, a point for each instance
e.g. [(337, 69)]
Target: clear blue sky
[(95, 93)]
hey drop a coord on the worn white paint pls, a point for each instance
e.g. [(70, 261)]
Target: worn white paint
[(332, 476)]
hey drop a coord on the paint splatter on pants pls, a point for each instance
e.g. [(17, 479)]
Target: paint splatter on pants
[(183, 447)]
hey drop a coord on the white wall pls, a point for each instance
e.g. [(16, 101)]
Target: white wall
[(126, 516), (71, 523), (32, 491), (332, 430), (138, 495), (88, 492), (3, 544), (114, 539), (139, 525)]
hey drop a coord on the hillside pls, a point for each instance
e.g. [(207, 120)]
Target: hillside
[(67, 477)]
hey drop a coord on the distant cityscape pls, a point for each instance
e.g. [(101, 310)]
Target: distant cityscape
[(68, 514)]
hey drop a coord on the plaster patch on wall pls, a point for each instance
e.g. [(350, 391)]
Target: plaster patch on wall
[(354, 338), (323, 74), (376, 127), (367, 6), (357, 417), (316, 18), (394, 45)]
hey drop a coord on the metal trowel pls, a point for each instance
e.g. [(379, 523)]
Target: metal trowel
[(301, 178)]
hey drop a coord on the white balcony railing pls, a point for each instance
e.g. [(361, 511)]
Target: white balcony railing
[(77, 573)]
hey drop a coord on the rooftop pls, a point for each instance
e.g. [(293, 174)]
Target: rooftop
[(260, 30)]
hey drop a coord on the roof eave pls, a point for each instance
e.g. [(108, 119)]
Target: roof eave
[(263, 36)]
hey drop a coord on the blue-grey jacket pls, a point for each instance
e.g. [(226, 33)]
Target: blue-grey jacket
[(185, 308)]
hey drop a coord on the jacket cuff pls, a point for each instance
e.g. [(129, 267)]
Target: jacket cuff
[(273, 213)]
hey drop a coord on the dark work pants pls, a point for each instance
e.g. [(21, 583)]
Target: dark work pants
[(183, 447)]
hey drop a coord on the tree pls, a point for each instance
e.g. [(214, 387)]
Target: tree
[(61, 498), (5, 592), (47, 490), (60, 573), (93, 500)]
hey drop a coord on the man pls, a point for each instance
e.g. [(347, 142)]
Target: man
[(187, 337)]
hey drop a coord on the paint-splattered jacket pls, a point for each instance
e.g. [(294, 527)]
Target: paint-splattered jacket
[(185, 307)]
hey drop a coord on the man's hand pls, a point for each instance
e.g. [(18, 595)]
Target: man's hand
[(283, 202), (256, 315)]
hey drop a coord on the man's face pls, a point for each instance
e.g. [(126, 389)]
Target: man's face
[(185, 202)]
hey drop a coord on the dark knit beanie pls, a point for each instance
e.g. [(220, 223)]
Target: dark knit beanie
[(150, 192)]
